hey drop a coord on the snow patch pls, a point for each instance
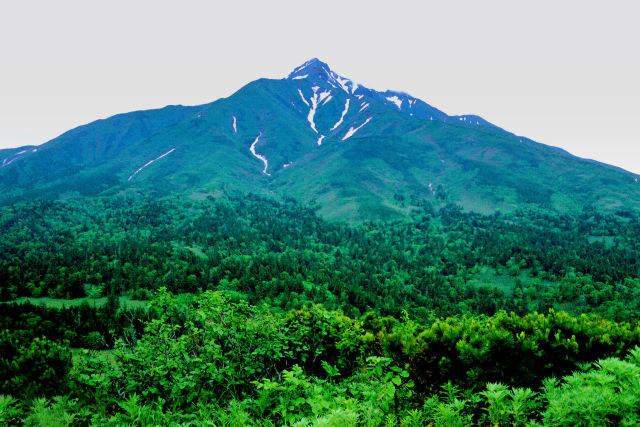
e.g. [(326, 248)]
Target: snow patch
[(7, 162), (148, 163), (260, 157), (324, 94), (327, 100), (314, 107), (302, 96), (353, 130), (320, 139), (17, 156), (344, 113), (235, 129), (363, 107), (300, 77), (359, 97), (342, 82), (395, 100)]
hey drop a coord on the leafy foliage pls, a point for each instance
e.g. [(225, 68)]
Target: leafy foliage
[(32, 367)]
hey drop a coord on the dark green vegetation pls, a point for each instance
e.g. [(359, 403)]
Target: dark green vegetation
[(444, 262), (152, 274), (284, 317)]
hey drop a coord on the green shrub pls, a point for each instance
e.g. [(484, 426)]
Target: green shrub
[(32, 367), (606, 395)]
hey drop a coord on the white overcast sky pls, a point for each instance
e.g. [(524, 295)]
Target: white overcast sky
[(564, 73)]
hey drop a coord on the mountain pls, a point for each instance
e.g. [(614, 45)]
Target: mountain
[(352, 152)]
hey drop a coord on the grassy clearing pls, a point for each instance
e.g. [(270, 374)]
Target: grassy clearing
[(488, 276), (609, 241), (125, 302)]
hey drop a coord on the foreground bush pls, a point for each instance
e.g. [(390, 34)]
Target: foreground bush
[(32, 367), (216, 360)]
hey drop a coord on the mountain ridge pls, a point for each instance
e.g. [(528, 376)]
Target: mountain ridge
[(353, 152)]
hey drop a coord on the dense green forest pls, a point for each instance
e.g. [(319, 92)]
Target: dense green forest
[(442, 263), (252, 311)]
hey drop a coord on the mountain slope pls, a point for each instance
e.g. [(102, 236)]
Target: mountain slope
[(66, 162), (353, 152)]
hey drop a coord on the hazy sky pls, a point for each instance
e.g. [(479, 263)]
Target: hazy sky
[(564, 73)]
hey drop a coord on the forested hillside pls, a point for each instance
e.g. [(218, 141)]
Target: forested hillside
[(243, 310), (444, 262)]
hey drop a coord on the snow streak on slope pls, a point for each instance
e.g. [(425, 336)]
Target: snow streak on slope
[(363, 107), (353, 130), (148, 163), (395, 100), (344, 113), (235, 129), (302, 96), (314, 107), (7, 163), (316, 101), (324, 94), (301, 77), (262, 158), (295, 70), (320, 139), (16, 156), (344, 83)]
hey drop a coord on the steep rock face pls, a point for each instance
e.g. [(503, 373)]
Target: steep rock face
[(353, 152)]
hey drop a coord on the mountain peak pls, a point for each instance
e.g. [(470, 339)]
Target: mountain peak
[(311, 67), (318, 72)]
